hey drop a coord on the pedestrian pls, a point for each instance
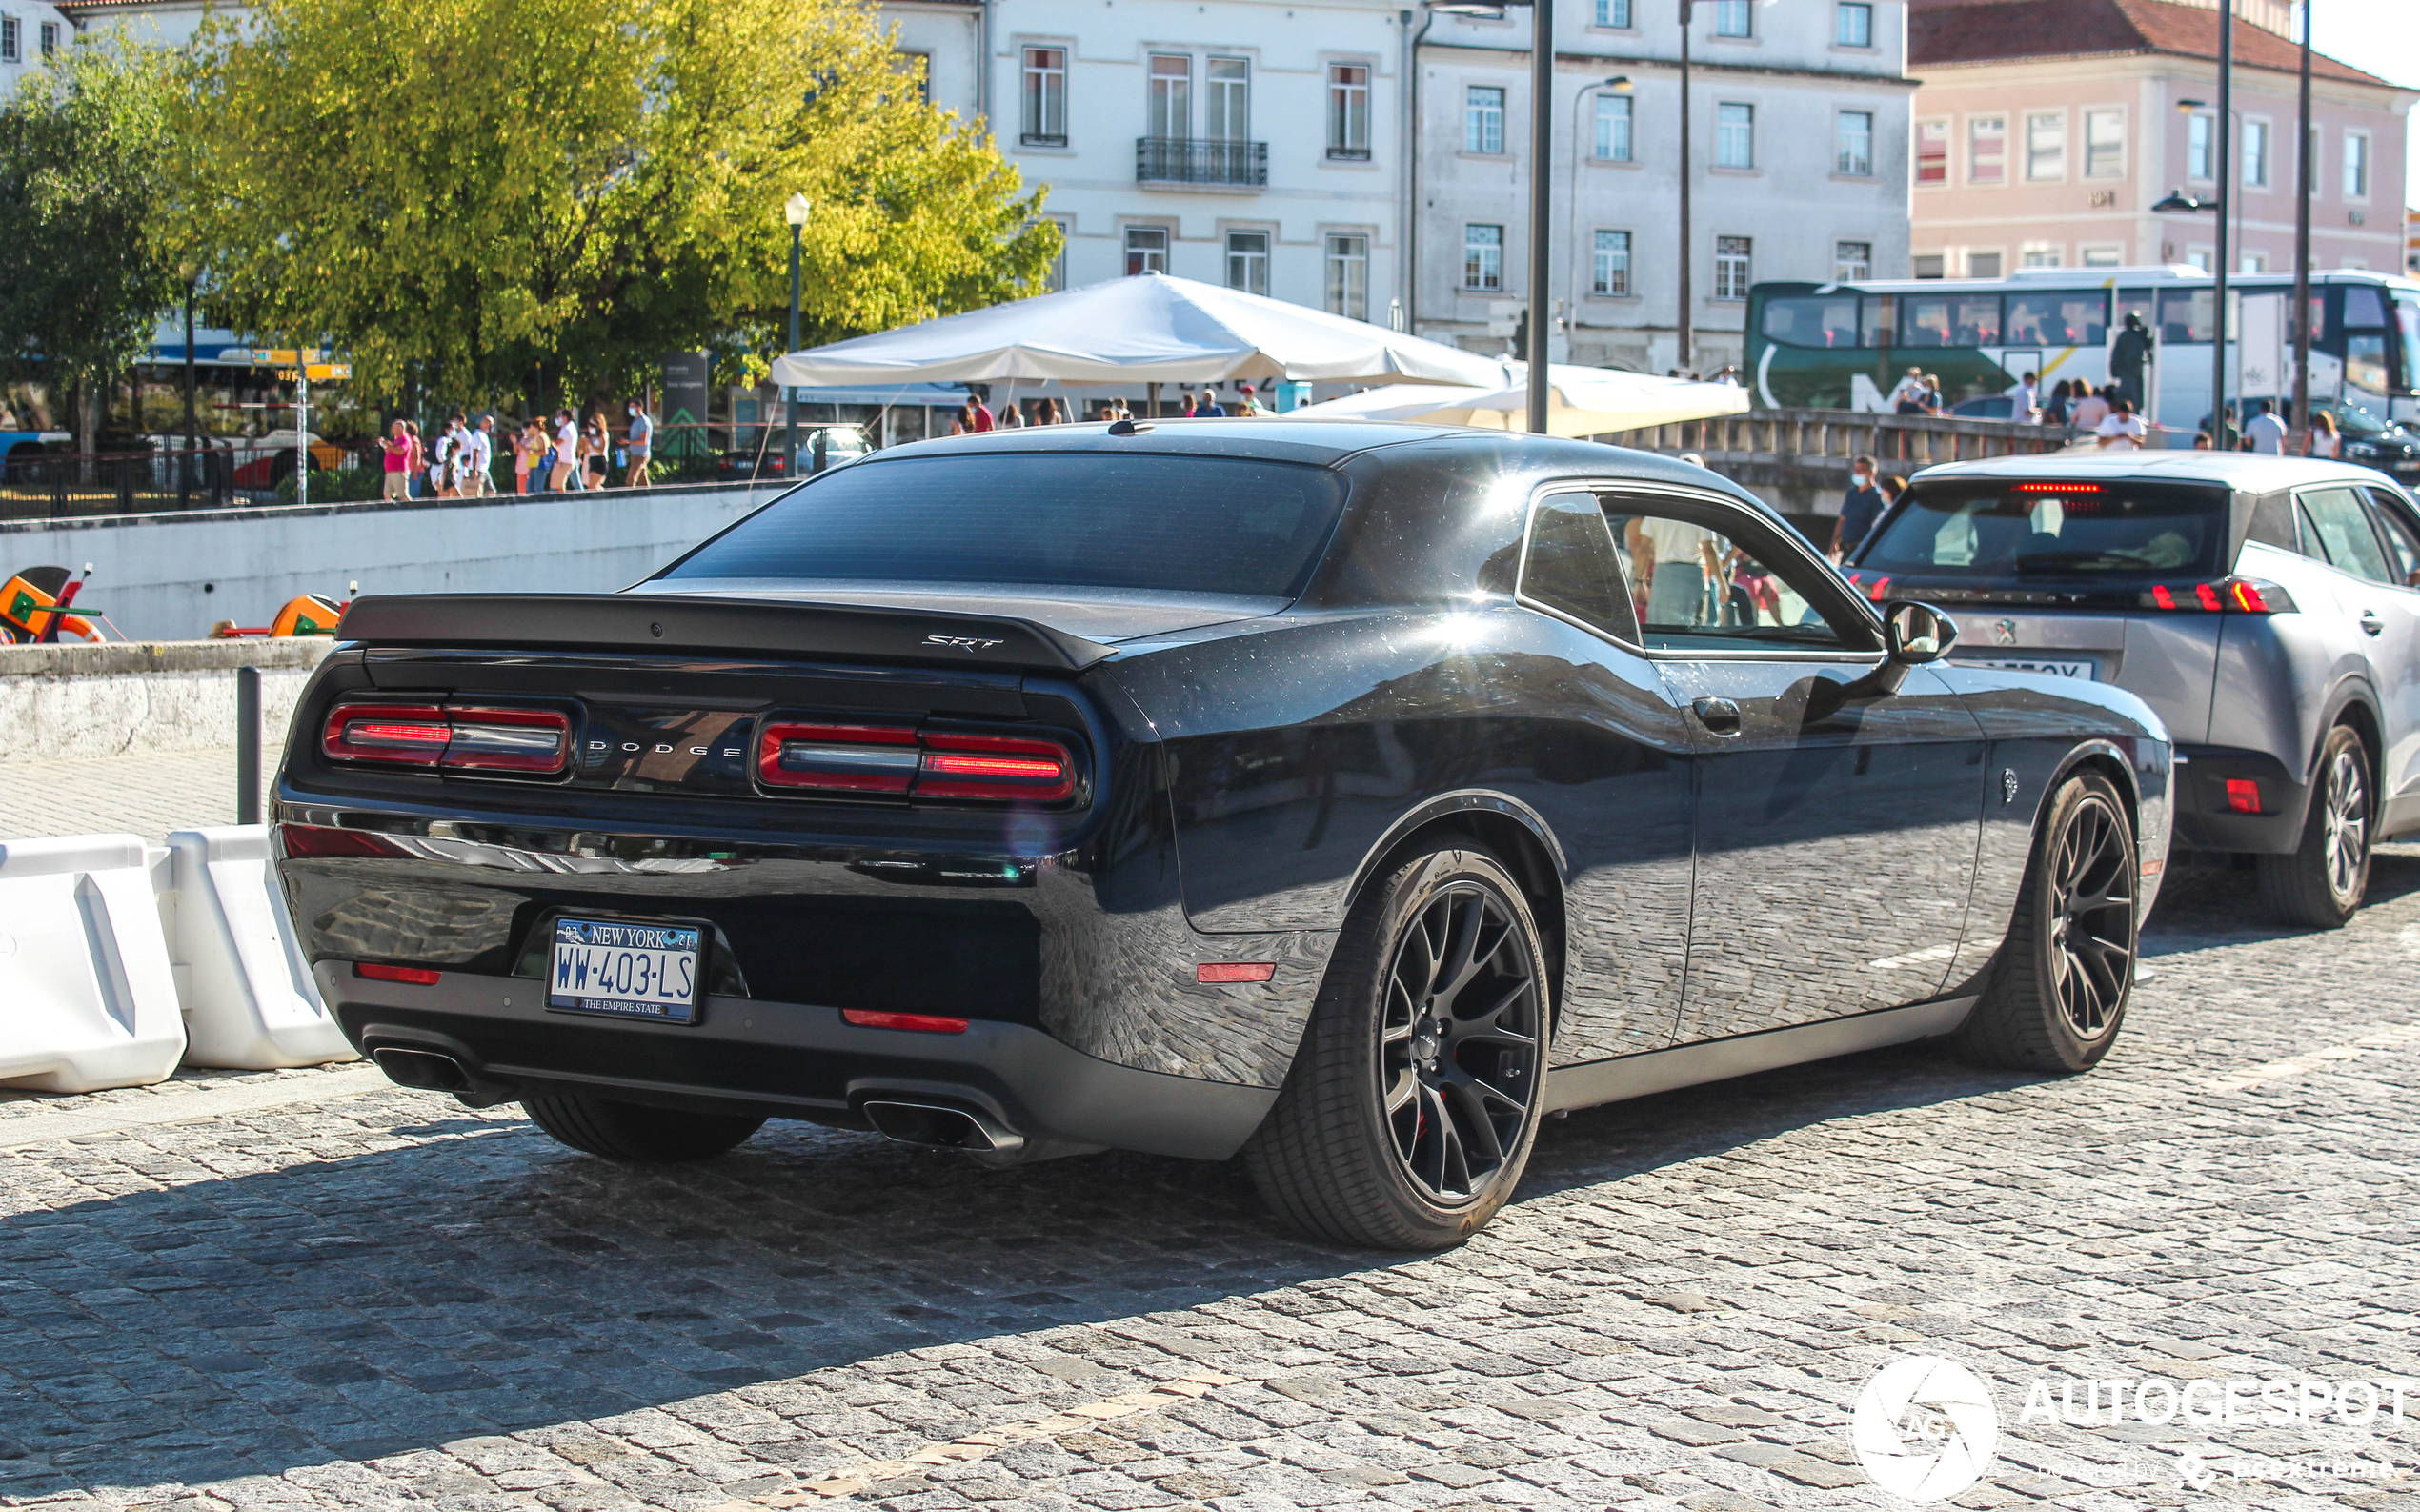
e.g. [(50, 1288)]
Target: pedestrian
[(2054, 410), (1252, 405), (2122, 430), (1677, 563), (562, 465), (522, 457), (2089, 411), (1190, 407), (2324, 438), (483, 456), (1012, 417), (414, 464), (981, 415), (441, 463), (397, 485), (2264, 432), (1935, 403), (2201, 440), (642, 443), (963, 423), (1211, 408), (1858, 508), (2026, 402), (1908, 397), (597, 449)]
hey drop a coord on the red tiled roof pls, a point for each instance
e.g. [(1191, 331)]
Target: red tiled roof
[(1942, 31)]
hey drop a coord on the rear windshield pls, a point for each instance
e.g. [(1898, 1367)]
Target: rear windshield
[(2013, 530), (1087, 519)]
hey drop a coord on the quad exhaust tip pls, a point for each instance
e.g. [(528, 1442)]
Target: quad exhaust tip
[(938, 1126)]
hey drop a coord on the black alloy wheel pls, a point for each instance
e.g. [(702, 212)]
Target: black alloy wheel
[(2058, 990), (2322, 881), (1410, 1109), (1459, 1060)]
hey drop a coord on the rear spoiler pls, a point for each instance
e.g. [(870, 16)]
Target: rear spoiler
[(734, 627)]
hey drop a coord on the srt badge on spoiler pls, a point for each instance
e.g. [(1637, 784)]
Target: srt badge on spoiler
[(966, 643)]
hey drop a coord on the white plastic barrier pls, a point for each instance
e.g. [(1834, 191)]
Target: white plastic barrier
[(88, 998), (249, 1002)]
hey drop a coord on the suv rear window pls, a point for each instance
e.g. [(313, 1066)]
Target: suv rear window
[(1082, 519), (2017, 529)]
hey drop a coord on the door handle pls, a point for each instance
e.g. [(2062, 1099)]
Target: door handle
[(2371, 623), (1719, 715)]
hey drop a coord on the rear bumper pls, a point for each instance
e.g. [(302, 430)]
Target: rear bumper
[(794, 1061), (2207, 822)]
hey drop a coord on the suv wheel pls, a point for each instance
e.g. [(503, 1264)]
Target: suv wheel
[(2059, 990), (1409, 1111), (2321, 882), (630, 1131)]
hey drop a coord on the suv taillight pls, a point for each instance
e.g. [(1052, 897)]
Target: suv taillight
[(533, 742), (900, 761), (2236, 596)]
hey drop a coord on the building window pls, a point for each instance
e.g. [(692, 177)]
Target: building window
[(1852, 260), (2254, 262), (1484, 119), (1853, 144), (1171, 95), (1926, 265), (2042, 257), (1613, 262), (1731, 266), (8, 39), (1230, 81), (1146, 249), (1614, 13), (1735, 137), (2200, 145), (1853, 24), (1348, 276), (2256, 154), (1932, 153), (1982, 265), (2105, 144), (1987, 150), (920, 66), (1484, 259), (50, 39), (2356, 165), (1045, 97), (1248, 261), (1734, 18), (2045, 147), (1058, 258), (1349, 111), (1613, 129)]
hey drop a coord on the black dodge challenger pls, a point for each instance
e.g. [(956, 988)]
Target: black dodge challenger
[(1347, 796)]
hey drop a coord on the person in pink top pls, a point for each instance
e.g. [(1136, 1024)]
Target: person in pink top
[(398, 447), (983, 420)]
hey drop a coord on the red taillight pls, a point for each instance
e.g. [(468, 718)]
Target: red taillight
[(1219, 970), (416, 976), (1881, 586), (2206, 594), (2162, 597), (303, 841), (469, 737), (2058, 488), (838, 757), (2243, 795), (899, 762), (925, 1023), (2241, 595)]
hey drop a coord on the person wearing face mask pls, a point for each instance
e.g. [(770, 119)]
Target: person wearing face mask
[(643, 440), (1859, 509)]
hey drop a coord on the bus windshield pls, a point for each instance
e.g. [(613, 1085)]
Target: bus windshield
[(2012, 530)]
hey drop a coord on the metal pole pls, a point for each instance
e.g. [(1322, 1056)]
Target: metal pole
[(2221, 433), (1542, 199), (185, 482), (2301, 421), (302, 429), (789, 407), (248, 745), (1685, 358)]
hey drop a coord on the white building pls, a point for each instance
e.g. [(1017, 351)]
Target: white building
[(29, 31), (1797, 121)]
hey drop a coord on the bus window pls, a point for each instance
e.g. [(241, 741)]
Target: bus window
[(2366, 359), (1923, 320), (1816, 320), (1977, 322), (1878, 312), (2134, 302), (2185, 315), (2407, 328), (2059, 318), (2365, 310)]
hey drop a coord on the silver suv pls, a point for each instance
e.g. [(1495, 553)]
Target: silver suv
[(2269, 608)]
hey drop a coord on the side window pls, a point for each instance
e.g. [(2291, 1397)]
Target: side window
[(1699, 590), (2403, 537), (1572, 568), (2344, 538)]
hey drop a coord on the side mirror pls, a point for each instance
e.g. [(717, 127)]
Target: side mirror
[(1916, 633)]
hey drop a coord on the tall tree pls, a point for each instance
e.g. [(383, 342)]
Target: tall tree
[(470, 193), (87, 178)]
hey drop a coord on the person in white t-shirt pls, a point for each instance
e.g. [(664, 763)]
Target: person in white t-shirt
[(1908, 397), (441, 480), (565, 471), (2264, 432), (2122, 430), (481, 444), (2026, 398), (1676, 561)]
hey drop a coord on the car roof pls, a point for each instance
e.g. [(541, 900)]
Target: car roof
[(2251, 471), (1320, 442)]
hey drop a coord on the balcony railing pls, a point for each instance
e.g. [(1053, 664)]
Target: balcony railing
[(1189, 160)]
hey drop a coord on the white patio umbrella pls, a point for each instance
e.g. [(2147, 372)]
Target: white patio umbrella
[(1580, 401), (1145, 329)]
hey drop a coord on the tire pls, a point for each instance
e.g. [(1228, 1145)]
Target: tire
[(2321, 884), (1410, 1109), (2058, 992), (627, 1130)]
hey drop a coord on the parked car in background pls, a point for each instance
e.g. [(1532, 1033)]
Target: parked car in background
[(2269, 608), (1347, 796), (1990, 407), (830, 445)]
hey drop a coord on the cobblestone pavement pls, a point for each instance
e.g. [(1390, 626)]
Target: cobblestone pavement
[(387, 1301), (147, 795)]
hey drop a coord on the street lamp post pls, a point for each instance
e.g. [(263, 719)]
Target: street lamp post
[(1542, 141), (185, 479), (1683, 344), (2303, 166), (1619, 84), (795, 211), (2219, 441)]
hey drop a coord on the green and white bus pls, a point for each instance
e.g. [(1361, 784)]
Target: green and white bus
[(1846, 345)]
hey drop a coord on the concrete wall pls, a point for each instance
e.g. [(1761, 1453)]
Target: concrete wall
[(171, 576), (128, 697)]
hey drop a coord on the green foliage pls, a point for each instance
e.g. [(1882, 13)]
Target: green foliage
[(88, 167), (496, 196)]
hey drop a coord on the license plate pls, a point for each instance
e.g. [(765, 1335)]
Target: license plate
[(628, 971), (2081, 671)]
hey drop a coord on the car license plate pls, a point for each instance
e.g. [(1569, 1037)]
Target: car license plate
[(628, 971), (2048, 667)]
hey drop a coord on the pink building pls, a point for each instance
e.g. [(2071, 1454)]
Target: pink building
[(2046, 129)]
